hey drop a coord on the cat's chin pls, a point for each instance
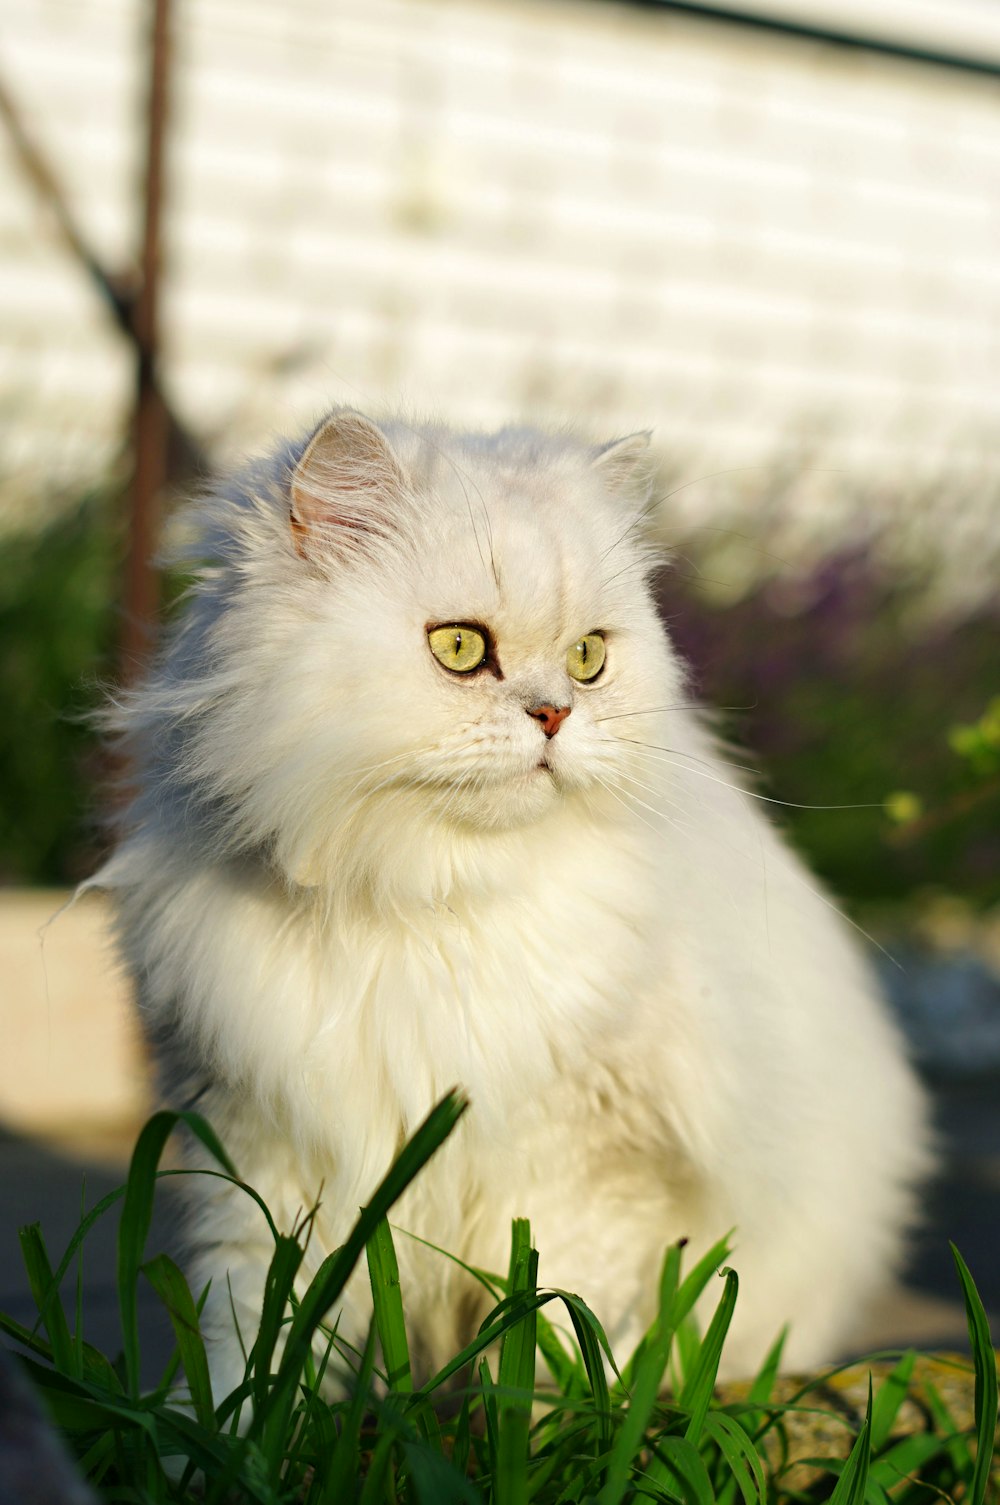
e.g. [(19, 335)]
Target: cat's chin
[(504, 806)]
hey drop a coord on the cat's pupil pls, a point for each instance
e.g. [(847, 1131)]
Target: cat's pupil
[(583, 650), (458, 643)]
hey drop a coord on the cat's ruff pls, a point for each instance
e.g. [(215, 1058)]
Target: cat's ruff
[(361, 868)]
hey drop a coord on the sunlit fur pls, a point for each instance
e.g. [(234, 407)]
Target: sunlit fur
[(350, 880)]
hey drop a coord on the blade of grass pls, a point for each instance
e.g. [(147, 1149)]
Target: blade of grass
[(377, 1479), (462, 1438), (568, 1372), (78, 1293), (736, 1446), (907, 1457), (685, 1297), (697, 1393), (344, 1468), (985, 1364), (383, 1271), (949, 1431), (516, 1374), (45, 1291), (490, 1416), (649, 1366), (435, 1480), (278, 1286), (137, 1213), (888, 1399), (853, 1481), (591, 1338), (760, 1391), (329, 1281), (173, 1290), (677, 1464), (506, 1315)]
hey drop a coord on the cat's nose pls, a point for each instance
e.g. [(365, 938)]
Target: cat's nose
[(551, 716)]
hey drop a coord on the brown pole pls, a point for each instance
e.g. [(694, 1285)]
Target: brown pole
[(150, 426)]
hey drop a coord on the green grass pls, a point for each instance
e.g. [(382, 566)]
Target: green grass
[(482, 1429)]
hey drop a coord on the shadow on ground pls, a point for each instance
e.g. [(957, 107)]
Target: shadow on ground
[(39, 1185)]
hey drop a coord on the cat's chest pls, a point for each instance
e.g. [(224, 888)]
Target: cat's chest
[(495, 995)]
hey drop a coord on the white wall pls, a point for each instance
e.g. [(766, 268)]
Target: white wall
[(557, 209)]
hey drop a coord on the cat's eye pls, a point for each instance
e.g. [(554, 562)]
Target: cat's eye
[(458, 648), (585, 659)]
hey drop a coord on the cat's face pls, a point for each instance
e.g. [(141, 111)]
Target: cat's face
[(488, 633), (451, 632)]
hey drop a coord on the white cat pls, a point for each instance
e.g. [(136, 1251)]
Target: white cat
[(422, 802)]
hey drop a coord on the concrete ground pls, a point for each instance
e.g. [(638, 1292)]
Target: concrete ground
[(73, 1094)]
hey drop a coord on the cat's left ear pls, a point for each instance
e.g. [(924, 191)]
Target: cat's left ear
[(626, 466), (347, 483)]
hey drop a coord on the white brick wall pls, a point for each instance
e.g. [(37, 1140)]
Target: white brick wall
[(556, 209)]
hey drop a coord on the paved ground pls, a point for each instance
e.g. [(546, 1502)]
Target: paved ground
[(46, 1184)]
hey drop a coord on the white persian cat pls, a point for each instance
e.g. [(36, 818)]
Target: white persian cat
[(422, 802)]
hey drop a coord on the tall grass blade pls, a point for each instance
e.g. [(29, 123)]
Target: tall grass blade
[(383, 1271), (461, 1445), (435, 1481), (333, 1274), (853, 1482), (278, 1287), (137, 1214), (684, 1298), (763, 1385), (649, 1365), (736, 1446), (506, 1315), (697, 1393), (490, 1415), (698, 1277), (344, 1466), (949, 1430), (516, 1374), (679, 1466), (984, 1361), (377, 1486), (173, 1290), (568, 1372), (888, 1399), (593, 1343), (78, 1295), (45, 1291), (907, 1457)]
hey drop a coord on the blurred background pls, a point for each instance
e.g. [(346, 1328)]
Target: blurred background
[(769, 231)]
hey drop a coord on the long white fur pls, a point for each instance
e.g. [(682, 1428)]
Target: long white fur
[(345, 885)]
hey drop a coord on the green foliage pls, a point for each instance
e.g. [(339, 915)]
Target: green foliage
[(843, 681), (483, 1431), (58, 589)]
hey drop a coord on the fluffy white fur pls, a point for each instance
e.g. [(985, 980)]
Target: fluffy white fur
[(351, 879)]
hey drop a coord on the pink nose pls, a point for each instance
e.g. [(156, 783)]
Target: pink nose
[(551, 717)]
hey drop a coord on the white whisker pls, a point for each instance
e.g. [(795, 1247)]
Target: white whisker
[(751, 793)]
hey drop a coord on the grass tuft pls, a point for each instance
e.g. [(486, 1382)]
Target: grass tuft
[(531, 1410)]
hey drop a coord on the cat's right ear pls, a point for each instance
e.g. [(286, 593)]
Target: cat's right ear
[(347, 483)]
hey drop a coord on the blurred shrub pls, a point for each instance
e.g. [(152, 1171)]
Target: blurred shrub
[(58, 625), (850, 688)]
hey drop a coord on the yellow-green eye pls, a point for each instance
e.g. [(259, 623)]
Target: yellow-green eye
[(458, 648), (585, 659)]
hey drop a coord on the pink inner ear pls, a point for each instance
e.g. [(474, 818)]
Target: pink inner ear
[(347, 478)]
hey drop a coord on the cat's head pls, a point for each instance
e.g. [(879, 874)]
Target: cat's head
[(424, 626)]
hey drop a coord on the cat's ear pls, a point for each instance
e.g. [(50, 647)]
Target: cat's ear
[(348, 482), (626, 467)]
